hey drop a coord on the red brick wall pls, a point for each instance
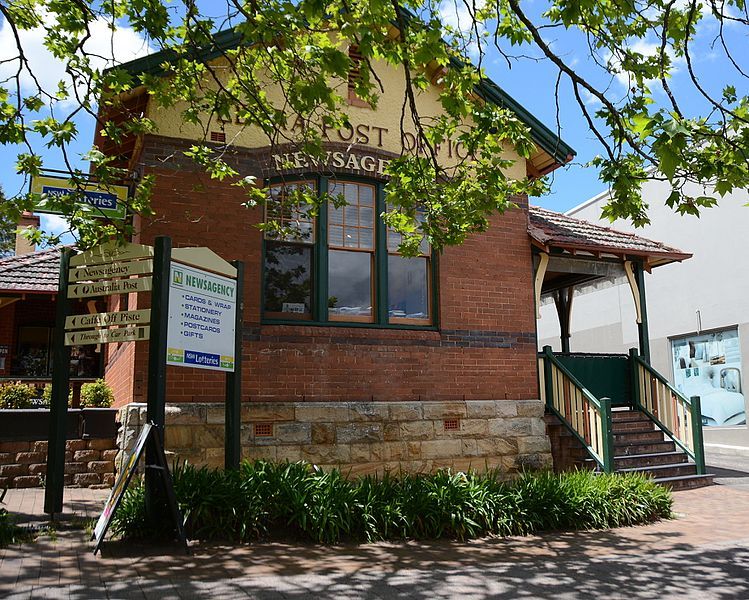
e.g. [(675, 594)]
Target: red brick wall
[(485, 348)]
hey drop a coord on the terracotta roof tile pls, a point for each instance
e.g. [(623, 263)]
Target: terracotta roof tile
[(34, 272), (551, 228)]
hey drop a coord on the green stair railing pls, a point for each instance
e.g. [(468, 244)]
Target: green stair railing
[(588, 418), (679, 417)]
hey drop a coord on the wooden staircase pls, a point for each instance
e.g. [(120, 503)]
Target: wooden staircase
[(640, 447)]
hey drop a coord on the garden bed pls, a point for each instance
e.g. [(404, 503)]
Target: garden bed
[(297, 501)]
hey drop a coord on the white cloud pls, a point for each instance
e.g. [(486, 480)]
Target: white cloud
[(456, 14), (647, 49), (590, 100), (107, 48)]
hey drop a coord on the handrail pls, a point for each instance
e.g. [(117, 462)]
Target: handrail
[(584, 415), (680, 418)]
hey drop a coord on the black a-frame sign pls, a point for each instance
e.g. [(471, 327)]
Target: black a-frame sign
[(148, 438)]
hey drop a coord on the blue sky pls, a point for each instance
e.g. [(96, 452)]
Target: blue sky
[(528, 81)]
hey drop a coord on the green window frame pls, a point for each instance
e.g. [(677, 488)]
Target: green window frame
[(320, 314)]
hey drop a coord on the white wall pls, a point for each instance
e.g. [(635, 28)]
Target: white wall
[(714, 281)]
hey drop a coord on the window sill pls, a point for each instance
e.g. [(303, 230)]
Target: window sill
[(349, 324)]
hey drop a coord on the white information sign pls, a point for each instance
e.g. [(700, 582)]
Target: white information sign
[(202, 313)]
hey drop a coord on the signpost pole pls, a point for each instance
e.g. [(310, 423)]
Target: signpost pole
[(156, 398), (233, 412), (53, 492)]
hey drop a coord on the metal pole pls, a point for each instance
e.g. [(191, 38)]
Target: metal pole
[(233, 409), (156, 398), (58, 415)]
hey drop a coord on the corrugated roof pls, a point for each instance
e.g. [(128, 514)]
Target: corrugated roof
[(36, 272), (553, 229)]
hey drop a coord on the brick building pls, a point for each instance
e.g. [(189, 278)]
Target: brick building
[(354, 356)]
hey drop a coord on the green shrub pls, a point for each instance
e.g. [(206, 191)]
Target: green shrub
[(96, 395), (16, 395), (299, 501), (47, 396)]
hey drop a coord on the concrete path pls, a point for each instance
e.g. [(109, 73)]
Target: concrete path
[(704, 553)]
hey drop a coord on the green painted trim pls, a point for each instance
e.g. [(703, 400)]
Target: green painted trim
[(642, 328), (320, 251), (634, 377), (593, 455), (548, 386), (352, 324), (608, 433), (320, 264), (381, 299), (699, 446), (435, 266)]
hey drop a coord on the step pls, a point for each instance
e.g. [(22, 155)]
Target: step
[(626, 416), (686, 482), (624, 461), (624, 448), (623, 426), (638, 436), (662, 471)]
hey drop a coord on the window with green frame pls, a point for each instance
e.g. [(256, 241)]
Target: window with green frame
[(343, 265)]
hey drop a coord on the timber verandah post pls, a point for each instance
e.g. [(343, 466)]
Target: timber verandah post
[(157, 348), (58, 417), (642, 326)]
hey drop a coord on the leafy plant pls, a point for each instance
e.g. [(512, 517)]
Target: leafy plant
[(16, 395), (299, 501), (47, 396), (10, 533), (96, 395)]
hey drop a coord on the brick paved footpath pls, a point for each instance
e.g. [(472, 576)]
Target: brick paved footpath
[(703, 553)]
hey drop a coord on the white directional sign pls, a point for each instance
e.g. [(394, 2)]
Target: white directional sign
[(110, 288), (128, 317), (107, 336), (121, 269), (202, 311)]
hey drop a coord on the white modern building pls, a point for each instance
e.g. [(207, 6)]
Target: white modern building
[(697, 311)]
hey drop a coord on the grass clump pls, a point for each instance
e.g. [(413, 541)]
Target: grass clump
[(263, 500), (10, 533)]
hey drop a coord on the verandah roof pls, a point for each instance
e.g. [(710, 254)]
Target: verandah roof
[(35, 272), (553, 230)]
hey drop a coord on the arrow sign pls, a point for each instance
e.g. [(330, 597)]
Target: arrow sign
[(108, 271), (129, 317), (107, 336), (110, 288)]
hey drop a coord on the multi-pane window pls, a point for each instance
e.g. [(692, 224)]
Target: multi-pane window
[(343, 266), (289, 253), (409, 290), (351, 251)]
